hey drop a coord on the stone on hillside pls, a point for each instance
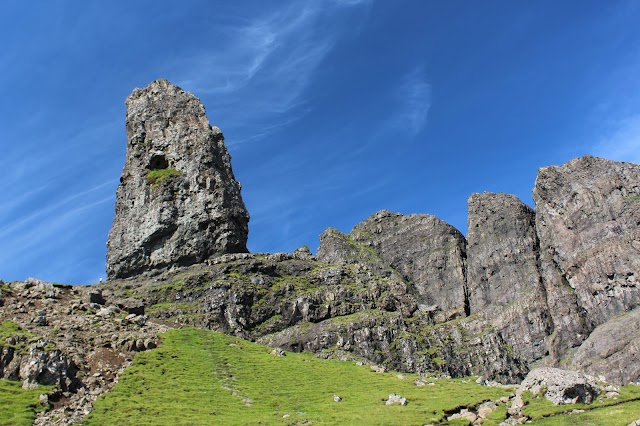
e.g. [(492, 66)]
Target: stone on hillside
[(178, 202), (588, 223), (426, 251), (395, 399), (561, 386), (464, 414), (95, 296), (303, 253), (132, 306), (503, 280)]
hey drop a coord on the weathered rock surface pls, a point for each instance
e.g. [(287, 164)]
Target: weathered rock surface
[(81, 348), (557, 285), (588, 224), (503, 278), (293, 302), (178, 202), (561, 386), (427, 252), (612, 351)]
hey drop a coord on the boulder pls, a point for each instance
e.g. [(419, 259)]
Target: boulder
[(95, 296), (178, 202), (561, 386), (395, 399)]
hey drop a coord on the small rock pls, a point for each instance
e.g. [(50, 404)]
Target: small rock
[(516, 406), (95, 296), (419, 382), (104, 312), (336, 398), (395, 399), (485, 409), (140, 347), (464, 414), (278, 352), (43, 399), (132, 306), (378, 368), (41, 317)]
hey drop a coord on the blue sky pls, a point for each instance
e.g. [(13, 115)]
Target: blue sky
[(331, 109)]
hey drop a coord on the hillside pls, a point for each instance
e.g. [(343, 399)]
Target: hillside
[(550, 286)]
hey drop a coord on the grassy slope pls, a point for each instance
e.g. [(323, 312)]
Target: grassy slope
[(621, 410), (19, 406), (202, 377)]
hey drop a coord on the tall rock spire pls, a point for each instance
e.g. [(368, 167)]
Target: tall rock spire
[(178, 202)]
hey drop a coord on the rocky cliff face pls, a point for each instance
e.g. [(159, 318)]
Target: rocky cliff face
[(541, 279), (178, 202), (428, 252), (503, 276), (410, 291), (588, 223), (554, 285)]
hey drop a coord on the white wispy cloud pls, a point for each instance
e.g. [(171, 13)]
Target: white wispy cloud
[(413, 98), (28, 227), (259, 71)]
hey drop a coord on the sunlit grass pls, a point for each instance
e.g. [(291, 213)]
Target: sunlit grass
[(620, 410), (19, 406), (201, 377)]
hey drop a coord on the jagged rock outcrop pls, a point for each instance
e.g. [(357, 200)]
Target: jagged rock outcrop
[(426, 251), (503, 278), (80, 349), (558, 285), (339, 248), (296, 303), (178, 202), (588, 224)]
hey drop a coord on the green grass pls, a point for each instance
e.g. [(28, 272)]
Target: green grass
[(199, 377), (23, 338), (19, 406), (154, 177), (604, 411), (614, 415)]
